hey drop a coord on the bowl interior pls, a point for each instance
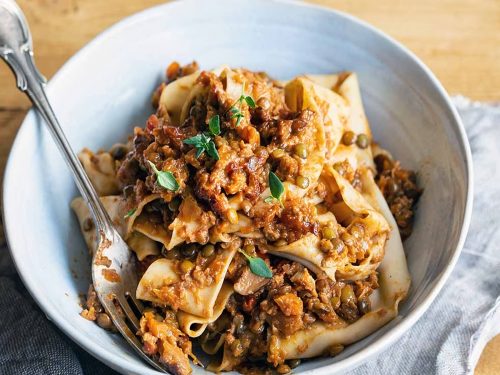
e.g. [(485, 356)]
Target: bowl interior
[(105, 90)]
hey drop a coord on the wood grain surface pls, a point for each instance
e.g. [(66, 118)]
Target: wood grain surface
[(458, 39)]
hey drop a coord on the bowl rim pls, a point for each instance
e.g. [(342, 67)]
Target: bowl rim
[(354, 360)]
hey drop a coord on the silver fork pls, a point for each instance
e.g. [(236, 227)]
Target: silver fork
[(112, 252)]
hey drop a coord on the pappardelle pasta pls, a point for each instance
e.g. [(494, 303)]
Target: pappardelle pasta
[(266, 222)]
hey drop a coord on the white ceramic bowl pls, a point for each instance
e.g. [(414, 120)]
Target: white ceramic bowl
[(105, 89)]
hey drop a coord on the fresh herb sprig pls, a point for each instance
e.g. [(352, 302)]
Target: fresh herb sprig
[(258, 266), (276, 187), (165, 179), (214, 125), (236, 107), (203, 142)]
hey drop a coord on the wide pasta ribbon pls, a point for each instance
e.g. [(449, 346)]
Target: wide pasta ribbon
[(163, 285), (345, 85), (352, 209), (115, 207), (192, 224), (100, 168), (194, 325), (394, 279), (355, 209), (174, 96), (299, 96)]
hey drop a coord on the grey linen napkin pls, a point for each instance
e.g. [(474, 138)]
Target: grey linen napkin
[(29, 343), (448, 339)]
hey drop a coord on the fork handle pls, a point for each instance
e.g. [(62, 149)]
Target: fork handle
[(16, 50)]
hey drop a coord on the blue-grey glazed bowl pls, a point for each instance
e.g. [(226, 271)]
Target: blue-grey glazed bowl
[(105, 89)]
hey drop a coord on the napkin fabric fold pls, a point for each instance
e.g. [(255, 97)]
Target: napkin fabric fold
[(448, 338)]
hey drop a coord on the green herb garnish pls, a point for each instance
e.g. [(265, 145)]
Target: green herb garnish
[(212, 150), (236, 113), (258, 266), (214, 125), (130, 213), (165, 179), (250, 101), (276, 187), (236, 107), (203, 143)]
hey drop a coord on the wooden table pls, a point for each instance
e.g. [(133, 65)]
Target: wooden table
[(458, 39)]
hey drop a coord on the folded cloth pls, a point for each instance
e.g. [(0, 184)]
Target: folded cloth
[(448, 339)]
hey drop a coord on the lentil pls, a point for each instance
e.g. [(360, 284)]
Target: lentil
[(301, 150), (328, 233), (104, 321), (188, 251), (362, 141), (278, 153), (208, 250), (347, 294), (302, 182), (186, 266), (348, 138)]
